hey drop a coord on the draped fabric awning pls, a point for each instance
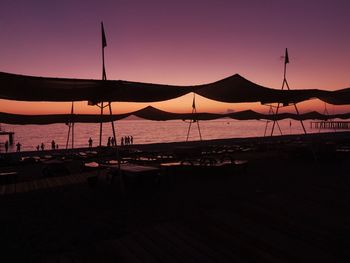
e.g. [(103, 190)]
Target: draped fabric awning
[(238, 89), (151, 113), (28, 88), (338, 97), (9, 118), (232, 90)]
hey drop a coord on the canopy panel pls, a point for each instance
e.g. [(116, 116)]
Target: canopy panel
[(151, 113), (338, 97), (232, 89), (28, 88), (238, 89)]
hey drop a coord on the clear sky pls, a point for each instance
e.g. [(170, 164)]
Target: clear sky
[(177, 42)]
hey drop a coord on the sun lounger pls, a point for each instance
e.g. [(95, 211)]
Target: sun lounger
[(54, 167), (9, 177)]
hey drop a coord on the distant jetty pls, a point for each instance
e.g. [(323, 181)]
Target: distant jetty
[(330, 124), (10, 134)]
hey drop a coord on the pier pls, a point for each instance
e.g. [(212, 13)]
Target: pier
[(330, 124), (10, 135)]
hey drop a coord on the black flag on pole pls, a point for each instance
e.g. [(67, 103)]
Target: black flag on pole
[(104, 42), (286, 58)]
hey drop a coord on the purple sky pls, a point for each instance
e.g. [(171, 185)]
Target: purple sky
[(177, 42)]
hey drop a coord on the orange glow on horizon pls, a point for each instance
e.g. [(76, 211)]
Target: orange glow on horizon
[(179, 105)]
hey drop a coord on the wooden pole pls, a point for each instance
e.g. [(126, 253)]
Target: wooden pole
[(297, 111), (194, 111), (110, 112), (101, 107), (71, 125), (286, 83), (271, 112), (103, 78)]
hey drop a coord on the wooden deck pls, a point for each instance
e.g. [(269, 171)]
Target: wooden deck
[(40, 184), (255, 222), (289, 205)]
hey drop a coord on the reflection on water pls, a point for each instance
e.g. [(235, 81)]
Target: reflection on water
[(144, 131)]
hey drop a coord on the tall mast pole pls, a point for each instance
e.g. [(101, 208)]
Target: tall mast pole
[(72, 124), (104, 44), (285, 82)]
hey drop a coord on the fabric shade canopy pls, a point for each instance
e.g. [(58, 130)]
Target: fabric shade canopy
[(232, 89), (338, 97), (28, 88), (151, 113), (9, 118), (238, 89)]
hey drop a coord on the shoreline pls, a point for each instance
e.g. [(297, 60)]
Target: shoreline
[(331, 136)]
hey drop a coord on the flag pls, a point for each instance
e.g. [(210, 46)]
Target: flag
[(104, 42), (286, 58)]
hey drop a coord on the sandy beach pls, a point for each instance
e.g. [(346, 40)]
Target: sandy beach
[(289, 203)]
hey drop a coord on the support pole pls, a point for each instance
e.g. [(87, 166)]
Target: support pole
[(286, 60), (71, 127), (297, 111), (271, 112), (110, 112), (188, 132), (11, 134), (104, 77), (69, 124), (199, 130), (194, 111), (101, 107)]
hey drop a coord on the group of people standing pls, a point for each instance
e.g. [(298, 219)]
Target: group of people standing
[(18, 147), (124, 140), (110, 142), (54, 146)]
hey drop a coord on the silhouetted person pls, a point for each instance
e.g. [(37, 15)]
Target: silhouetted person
[(6, 146), (53, 145), (109, 142), (122, 141), (56, 146), (42, 146), (131, 140), (90, 142), (18, 146), (112, 141), (37, 147)]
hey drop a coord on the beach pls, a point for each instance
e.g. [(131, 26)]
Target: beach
[(144, 132), (287, 203)]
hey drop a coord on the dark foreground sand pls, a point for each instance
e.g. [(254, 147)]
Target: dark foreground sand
[(291, 204)]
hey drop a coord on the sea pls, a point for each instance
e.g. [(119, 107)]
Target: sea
[(146, 132)]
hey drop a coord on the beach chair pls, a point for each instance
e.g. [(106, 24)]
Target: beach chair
[(9, 177), (54, 168)]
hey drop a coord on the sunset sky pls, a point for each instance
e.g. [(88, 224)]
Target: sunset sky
[(180, 42)]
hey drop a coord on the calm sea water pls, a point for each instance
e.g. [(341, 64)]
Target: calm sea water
[(145, 132)]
